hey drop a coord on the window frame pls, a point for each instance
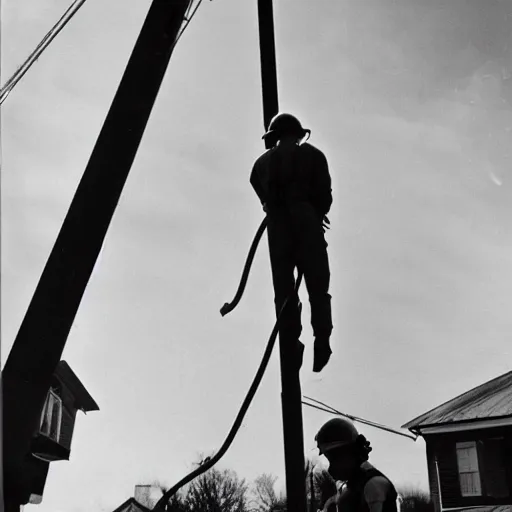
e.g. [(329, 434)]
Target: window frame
[(52, 398), (464, 445)]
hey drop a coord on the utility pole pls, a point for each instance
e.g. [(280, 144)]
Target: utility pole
[(43, 333), (268, 61), (291, 396)]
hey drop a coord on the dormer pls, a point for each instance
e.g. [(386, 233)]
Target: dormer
[(66, 396)]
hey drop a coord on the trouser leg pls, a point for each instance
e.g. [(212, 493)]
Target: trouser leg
[(314, 262), (283, 263)]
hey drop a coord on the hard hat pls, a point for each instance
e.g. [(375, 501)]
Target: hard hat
[(285, 124), (336, 433)]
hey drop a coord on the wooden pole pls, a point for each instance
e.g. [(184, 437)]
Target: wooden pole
[(43, 333), (291, 395), (268, 62)]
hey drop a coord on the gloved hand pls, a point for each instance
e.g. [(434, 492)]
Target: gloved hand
[(326, 223), (265, 207)]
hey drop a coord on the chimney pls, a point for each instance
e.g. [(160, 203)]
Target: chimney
[(147, 495)]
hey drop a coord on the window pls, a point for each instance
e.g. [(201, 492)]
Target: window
[(52, 416), (469, 474)]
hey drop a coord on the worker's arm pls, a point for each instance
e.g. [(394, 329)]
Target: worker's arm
[(256, 185), (376, 491), (321, 190)]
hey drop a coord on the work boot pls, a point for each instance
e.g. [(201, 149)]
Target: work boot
[(322, 353)]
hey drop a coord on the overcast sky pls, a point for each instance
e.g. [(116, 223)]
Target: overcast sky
[(411, 102)]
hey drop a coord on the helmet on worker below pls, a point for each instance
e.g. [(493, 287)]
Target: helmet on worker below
[(285, 124), (336, 433)]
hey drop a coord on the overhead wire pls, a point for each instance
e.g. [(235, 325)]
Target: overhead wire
[(52, 34), (45, 42), (188, 19), (327, 408)]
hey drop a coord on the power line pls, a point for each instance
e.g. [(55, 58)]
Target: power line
[(45, 42), (332, 410), (27, 374), (52, 34), (188, 19)]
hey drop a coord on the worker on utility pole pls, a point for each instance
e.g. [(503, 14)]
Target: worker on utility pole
[(365, 488), (293, 183)]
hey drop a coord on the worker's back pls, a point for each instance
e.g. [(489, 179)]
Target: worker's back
[(290, 174)]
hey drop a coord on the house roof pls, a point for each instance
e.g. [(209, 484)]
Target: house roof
[(132, 505), (492, 399), (83, 399)]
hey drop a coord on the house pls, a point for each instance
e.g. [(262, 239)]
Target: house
[(132, 505), (469, 448), (145, 498), (52, 440)]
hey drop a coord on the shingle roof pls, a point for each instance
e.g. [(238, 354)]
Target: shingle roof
[(492, 399)]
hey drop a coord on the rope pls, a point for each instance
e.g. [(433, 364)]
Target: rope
[(241, 413), (229, 306), (328, 408)]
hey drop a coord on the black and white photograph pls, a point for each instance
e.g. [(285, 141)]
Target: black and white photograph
[(256, 255)]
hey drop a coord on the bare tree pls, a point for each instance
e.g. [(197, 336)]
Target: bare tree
[(218, 491), (319, 487), (178, 502), (265, 497), (415, 500), (309, 475), (325, 487)]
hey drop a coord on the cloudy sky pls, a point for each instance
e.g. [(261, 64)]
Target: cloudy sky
[(412, 103)]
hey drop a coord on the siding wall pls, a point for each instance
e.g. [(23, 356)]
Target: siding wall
[(444, 447), (432, 474)]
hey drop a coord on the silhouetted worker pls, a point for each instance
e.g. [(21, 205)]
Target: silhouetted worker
[(293, 183), (366, 489)]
